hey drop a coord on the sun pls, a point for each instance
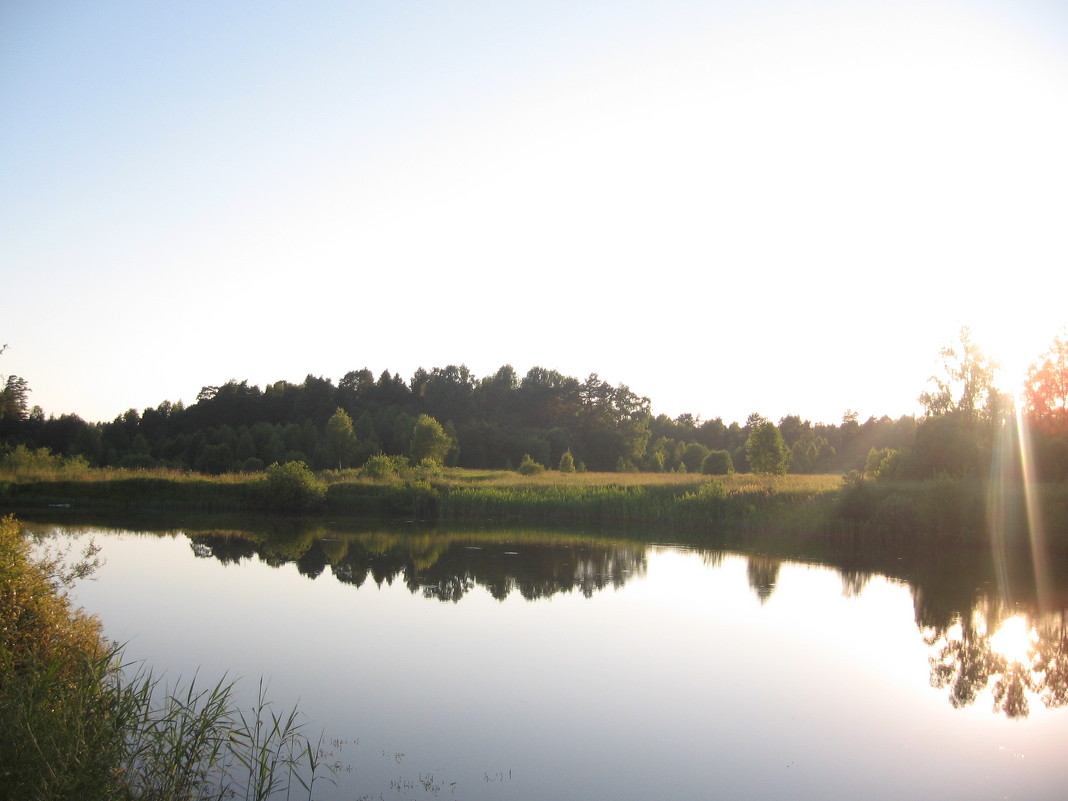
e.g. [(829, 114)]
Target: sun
[(1014, 639)]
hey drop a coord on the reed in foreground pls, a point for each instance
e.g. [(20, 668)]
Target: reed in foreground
[(75, 725)]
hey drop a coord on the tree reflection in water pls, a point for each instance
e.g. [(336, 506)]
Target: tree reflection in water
[(763, 574), (966, 658), (449, 567), (964, 621)]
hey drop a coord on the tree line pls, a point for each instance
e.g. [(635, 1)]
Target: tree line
[(546, 419)]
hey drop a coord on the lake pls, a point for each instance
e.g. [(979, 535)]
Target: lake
[(520, 664)]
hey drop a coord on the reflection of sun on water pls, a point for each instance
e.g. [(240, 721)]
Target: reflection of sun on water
[(1014, 639)]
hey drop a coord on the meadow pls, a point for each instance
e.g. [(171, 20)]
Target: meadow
[(826, 508)]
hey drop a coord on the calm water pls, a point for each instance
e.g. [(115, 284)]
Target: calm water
[(524, 665)]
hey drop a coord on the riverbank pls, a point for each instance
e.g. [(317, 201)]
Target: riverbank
[(74, 723), (824, 507)]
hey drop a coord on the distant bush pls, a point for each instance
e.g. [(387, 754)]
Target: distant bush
[(567, 462), (41, 462), (381, 466), (884, 464), (528, 467), (292, 487), (857, 501), (718, 463), (252, 465)]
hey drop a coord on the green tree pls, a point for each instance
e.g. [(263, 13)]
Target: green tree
[(718, 463), (340, 437), (694, 456), (292, 487), (429, 440), (766, 450), (528, 467), (567, 462), (966, 385)]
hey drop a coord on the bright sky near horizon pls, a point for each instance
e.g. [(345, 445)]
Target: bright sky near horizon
[(731, 207)]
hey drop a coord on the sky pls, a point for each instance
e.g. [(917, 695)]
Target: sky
[(730, 207)]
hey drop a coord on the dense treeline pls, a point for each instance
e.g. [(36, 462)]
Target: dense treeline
[(547, 419), (492, 422)]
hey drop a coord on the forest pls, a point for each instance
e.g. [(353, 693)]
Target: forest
[(550, 420)]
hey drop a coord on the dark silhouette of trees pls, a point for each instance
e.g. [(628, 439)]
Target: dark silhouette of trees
[(1046, 389), (492, 422)]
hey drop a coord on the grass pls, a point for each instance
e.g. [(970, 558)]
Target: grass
[(74, 724), (807, 506)]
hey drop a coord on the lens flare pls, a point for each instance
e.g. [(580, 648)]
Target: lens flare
[(1014, 640), (1035, 527)]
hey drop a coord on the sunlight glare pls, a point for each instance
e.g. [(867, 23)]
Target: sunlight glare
[(1014, 639)]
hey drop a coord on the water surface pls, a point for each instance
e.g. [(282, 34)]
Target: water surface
[(534, 665)]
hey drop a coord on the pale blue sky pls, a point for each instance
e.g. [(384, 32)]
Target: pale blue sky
[(780, 207)]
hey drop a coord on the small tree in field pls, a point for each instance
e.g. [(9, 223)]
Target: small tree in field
[(766, 450), (528, 467), (567, 462), (340, 437), (292, 487), (429, 440), (718, 463)]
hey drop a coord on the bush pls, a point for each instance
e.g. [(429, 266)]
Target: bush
[(292, 487), (72, 726), (857, 501), (567, 462), (528, 467), (41, 463), (718, 463), (884, 464), (381, 466)]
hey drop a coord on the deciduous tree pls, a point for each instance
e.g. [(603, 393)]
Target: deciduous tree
[(766, 450), (429, 440), (340, 437), (1046, 388)]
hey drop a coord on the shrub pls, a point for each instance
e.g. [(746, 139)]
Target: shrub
[(381, 466), (693, 456), (72, 725), (857, 501), (528, 467), (883, 464), (718, 463), (567, 462), (41, 462), (292, 487)]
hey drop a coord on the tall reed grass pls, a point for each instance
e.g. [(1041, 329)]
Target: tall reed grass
[(74, 724)]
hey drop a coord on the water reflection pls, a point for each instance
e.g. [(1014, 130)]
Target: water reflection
[(1015, 656), (763, 573), (981, 642), (446, 567), (989, 638)]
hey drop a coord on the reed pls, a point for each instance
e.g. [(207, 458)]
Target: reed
[(74, 724)]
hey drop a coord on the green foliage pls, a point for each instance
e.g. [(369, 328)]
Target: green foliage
[(966, 386), (718, 463), (429, 440), (381, 467), (766, 450), (24, 462), (73, 725), (528, 467), (693, 456), (567, 462), (884, 464), (340, 437), (292, 487), (856, 501)]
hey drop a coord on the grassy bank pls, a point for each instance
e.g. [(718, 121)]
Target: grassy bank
[(809, 506), (74, 725)]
